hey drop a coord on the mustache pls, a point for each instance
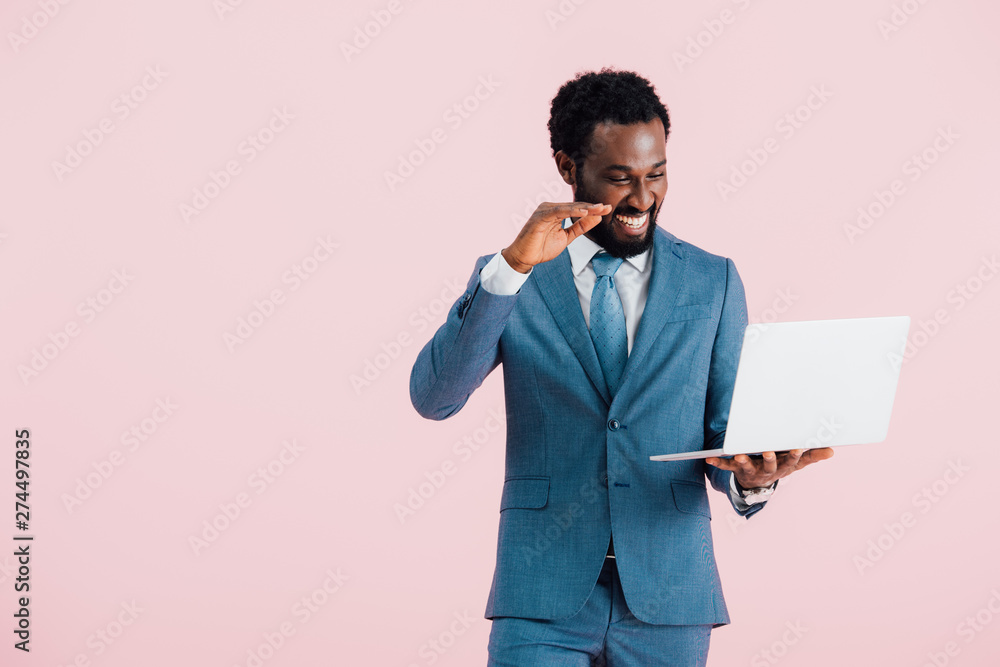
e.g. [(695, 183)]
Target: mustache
[(634, 214)]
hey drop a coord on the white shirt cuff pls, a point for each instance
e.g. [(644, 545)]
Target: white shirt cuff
[(741, 504), (498, 278), (735, 495)]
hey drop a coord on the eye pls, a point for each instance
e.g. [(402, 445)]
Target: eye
[(626, 180)]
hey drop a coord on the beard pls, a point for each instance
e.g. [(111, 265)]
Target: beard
[(603, 234)]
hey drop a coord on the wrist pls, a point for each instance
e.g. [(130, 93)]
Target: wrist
[(518, 266), (753, 495), (742, 487)]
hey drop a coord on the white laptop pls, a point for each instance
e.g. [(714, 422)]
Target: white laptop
[(803, 385)]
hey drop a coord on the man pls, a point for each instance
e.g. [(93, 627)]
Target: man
[(618, 341)]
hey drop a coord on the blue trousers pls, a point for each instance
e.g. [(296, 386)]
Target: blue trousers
[(604, 632)]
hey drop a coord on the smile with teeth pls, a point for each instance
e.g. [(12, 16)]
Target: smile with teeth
[(634, 223)]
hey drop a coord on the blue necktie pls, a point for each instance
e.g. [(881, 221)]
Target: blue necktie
[(607, 321)]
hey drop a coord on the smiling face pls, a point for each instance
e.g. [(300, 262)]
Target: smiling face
[(626, 168)]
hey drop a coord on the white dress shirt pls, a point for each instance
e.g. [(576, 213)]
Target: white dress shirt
[(631, 280)]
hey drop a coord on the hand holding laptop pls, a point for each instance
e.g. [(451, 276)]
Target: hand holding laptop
[(753, 471)]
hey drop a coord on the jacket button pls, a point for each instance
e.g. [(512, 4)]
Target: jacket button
[(614, 424), (604, 478)]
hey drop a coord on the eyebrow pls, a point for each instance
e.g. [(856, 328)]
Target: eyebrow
[(621, 167)]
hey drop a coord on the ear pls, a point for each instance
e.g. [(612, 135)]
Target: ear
[(566, 167)]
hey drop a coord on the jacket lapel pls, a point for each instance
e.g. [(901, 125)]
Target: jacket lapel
[(555, 282), (664, 286)]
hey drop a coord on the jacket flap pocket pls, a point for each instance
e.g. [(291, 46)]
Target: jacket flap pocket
[(691, 498), (691, 312), (525, 493)]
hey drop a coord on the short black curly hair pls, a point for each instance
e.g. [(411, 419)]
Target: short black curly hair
[(608, 96)]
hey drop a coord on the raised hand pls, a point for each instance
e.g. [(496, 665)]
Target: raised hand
[(542, 238)]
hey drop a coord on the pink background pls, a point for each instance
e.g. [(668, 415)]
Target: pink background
[(400, 589)]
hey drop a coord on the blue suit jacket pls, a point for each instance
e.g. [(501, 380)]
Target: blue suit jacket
[(577, 462)]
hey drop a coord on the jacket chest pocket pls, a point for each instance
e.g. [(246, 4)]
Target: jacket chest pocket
[(690, 312)]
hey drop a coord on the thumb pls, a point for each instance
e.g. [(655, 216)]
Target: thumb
[(583, 225)]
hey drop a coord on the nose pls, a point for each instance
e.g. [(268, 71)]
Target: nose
[(641, 197)]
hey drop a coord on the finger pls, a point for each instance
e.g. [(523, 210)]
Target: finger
[(745, 465), (790, 461), (814, 455), (582, 226), (746, 470), (594, 210), (557, 212), (724, 464), (770, 465), (586, 205)]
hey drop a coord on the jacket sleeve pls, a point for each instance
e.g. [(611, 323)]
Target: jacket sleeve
[(463, 351), (722, 378)]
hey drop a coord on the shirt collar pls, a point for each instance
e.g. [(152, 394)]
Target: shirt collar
[(582, 250)]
